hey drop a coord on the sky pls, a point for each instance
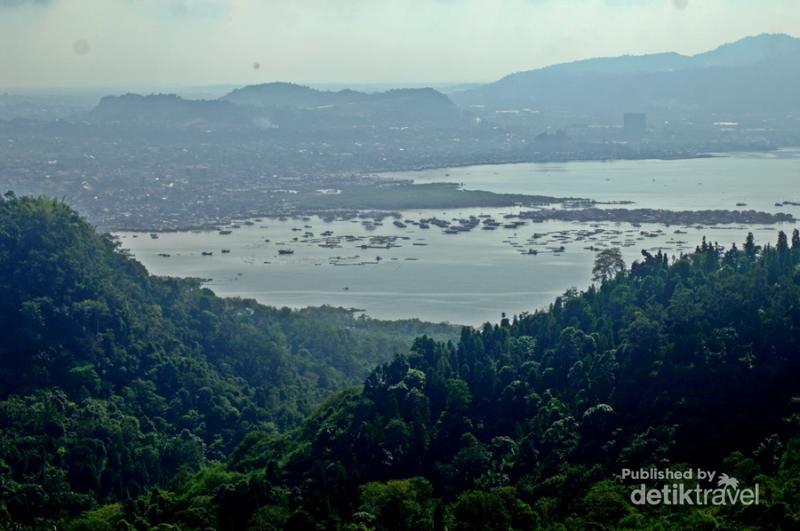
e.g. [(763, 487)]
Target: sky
[(119, 43)]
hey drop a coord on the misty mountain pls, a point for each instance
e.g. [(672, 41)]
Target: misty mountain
[(297, 105), (285, 106), (289, 95), (169, 110), (757, 74)]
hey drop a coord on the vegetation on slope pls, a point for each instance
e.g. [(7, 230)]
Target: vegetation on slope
[(123, 395), (527, 423), (112, 380)]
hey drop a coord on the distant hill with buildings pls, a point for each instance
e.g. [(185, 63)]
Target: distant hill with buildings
[(287, 106), (297, 105), (168, 110)]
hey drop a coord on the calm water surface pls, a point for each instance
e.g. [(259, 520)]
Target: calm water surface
[(758, 179), (473, 277)]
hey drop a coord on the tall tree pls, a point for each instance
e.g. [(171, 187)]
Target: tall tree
[(607, 264)]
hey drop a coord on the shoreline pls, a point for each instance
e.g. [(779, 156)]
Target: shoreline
[(378, 202), (560, 160)]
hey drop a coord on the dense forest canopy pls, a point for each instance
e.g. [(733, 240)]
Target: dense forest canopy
[(112, 380), (689, 363), (131, 402)]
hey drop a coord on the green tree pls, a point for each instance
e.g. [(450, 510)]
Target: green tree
[(399, 505), (607, 264), (498, 510)]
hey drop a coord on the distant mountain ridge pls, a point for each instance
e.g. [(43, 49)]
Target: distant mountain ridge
[(753, 74), (168, 108), (287, 105), (297, 104), (744, 52), (281, 94)]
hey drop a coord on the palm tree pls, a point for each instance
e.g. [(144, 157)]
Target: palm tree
[(726, 481)]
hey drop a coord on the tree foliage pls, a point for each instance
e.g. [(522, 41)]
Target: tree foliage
[(113, 381), (131, 402), (607, 264), (525, 424)]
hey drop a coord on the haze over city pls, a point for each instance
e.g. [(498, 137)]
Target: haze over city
[(155, 43), (399, 265)]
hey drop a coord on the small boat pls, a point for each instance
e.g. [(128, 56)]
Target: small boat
[(225, 251), (225, 232), (285, 251), (154, 235), (207, 253)]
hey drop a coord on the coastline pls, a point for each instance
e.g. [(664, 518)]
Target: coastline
[(335, 204)]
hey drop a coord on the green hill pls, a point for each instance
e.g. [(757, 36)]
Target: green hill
[(131, 402), (526, 424), (112, 380)]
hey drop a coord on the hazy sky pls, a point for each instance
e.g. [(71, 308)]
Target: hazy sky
[(200, 42)]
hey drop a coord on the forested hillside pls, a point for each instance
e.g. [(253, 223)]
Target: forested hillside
[(525, 424), (113, 381), (132, 402)]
